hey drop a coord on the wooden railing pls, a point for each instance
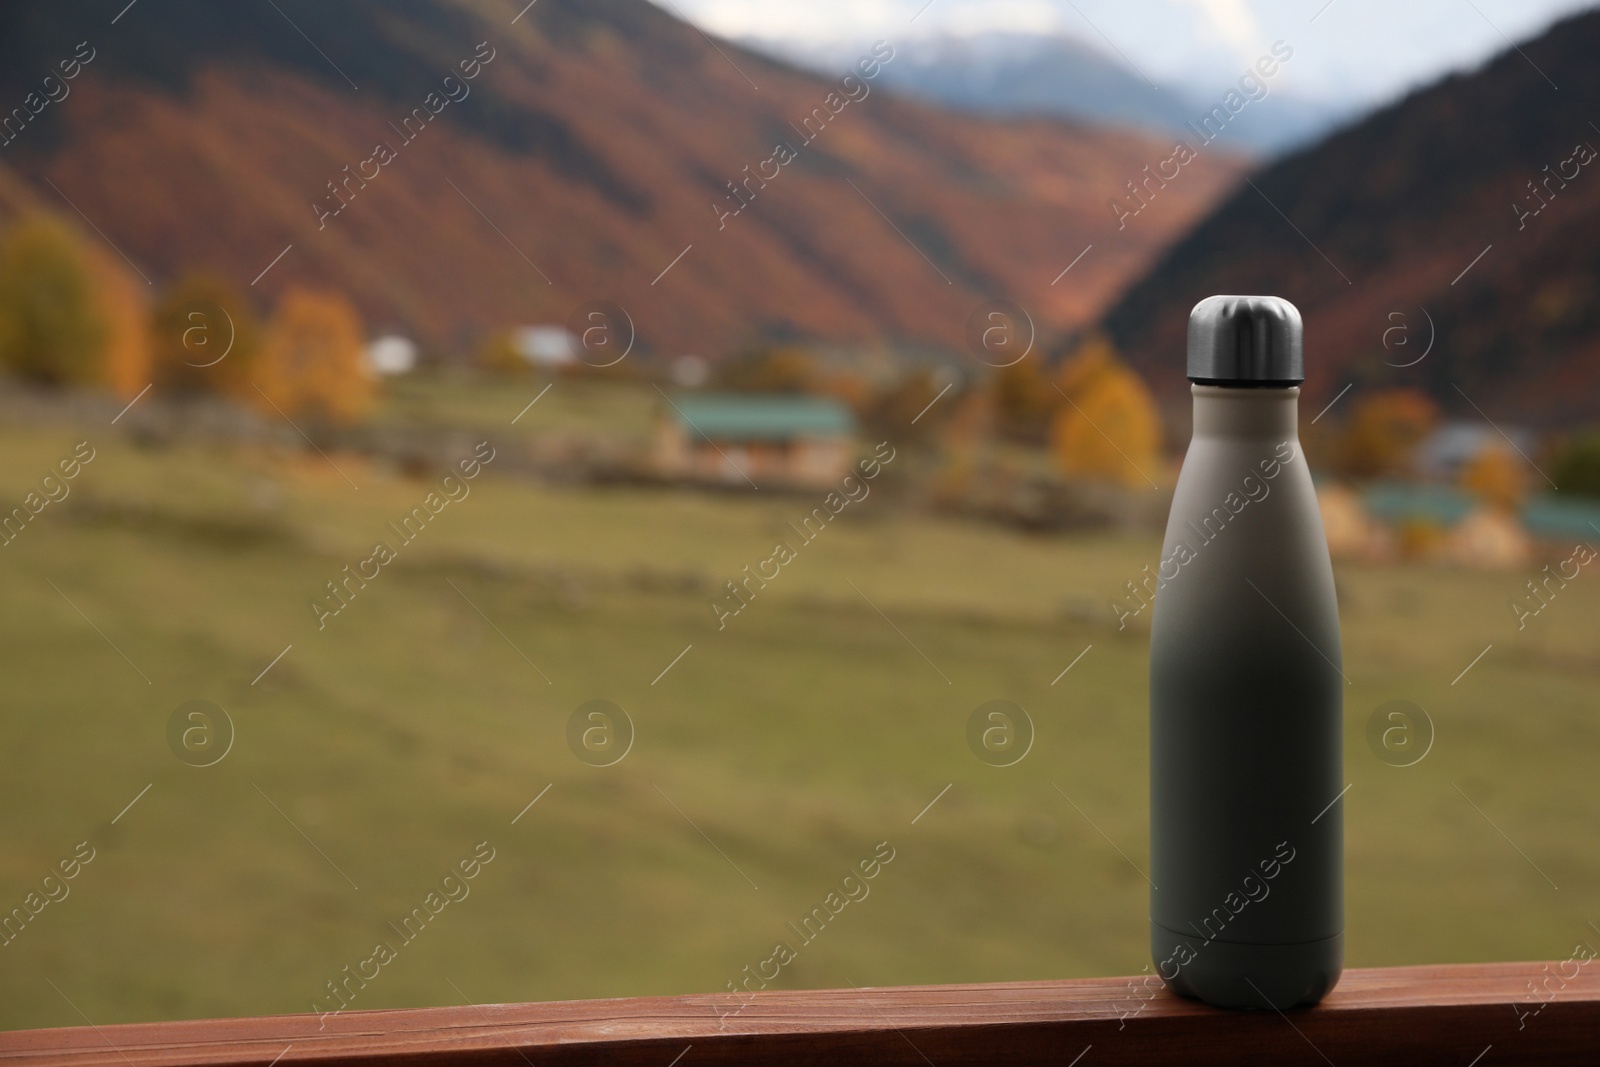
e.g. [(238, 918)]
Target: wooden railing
[(1482, 1015)]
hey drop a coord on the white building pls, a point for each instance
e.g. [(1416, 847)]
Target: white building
[(391, 354), (545, 346)]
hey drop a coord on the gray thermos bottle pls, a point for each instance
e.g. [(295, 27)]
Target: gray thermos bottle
[(1246, 685)]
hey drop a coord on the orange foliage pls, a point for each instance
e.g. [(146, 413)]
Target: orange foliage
[(1108, 428), (1093, 357), (1385, 429), (123, 307), (1495, 477), (1421, 539), (312, 358)]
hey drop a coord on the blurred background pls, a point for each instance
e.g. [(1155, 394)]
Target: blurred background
[(684, 452)]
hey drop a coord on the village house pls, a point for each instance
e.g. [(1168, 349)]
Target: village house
[(763, 438), (1391, 519)]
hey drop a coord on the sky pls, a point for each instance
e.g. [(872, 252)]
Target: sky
[(1353, 53)]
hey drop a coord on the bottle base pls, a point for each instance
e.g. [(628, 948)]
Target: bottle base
[(1229, 974)]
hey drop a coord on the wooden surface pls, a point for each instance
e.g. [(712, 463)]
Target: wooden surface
[(1405, 1015)]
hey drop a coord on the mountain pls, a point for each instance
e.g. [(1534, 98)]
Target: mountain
[(1012, 74), (592, 155), (1468, 213), (1019, 74)]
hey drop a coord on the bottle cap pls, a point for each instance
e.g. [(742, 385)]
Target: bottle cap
[(1245, 341)]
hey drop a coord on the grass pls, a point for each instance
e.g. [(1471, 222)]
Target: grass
[(581, 404), (776, 753)]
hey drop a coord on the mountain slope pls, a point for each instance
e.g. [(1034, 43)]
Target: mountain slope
[(1012, 73), (586, 162), (1413, 214)]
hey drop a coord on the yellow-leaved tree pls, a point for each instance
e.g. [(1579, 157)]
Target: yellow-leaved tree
[(52, 330), (312, 358), (1106, 427), (70, 314)]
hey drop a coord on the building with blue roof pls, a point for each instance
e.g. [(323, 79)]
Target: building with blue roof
[(759, 438)]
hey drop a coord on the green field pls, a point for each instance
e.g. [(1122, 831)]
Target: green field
[(428, 713)]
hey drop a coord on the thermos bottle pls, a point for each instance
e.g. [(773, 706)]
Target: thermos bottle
[(1246, 685)]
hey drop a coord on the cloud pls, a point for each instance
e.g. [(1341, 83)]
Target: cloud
[(1361, 52), (821, 20), (1232, 24)]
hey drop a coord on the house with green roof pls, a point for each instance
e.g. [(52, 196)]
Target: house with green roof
[(756, 438)]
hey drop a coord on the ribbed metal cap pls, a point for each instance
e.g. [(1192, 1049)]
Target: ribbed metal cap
[(1245, 340)]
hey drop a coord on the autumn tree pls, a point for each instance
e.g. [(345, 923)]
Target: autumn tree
[(1024, 400), (204, 338), (779, 369), (906, 409), (52, 329), (312, 358), (1384, 430), (1106, 427), (124, 308), (498, 354), (1495, 476), (851, 388), (1085, 364), (967, 425)]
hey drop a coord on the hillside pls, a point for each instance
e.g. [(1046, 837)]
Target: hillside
[(584, 158), (1392, 215)]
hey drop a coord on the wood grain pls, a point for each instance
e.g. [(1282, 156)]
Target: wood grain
[(1402, 1015)]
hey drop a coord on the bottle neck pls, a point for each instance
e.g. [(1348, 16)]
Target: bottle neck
[(1246, 413)]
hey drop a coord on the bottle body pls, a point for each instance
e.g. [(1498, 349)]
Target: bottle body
[(1246, 710)]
